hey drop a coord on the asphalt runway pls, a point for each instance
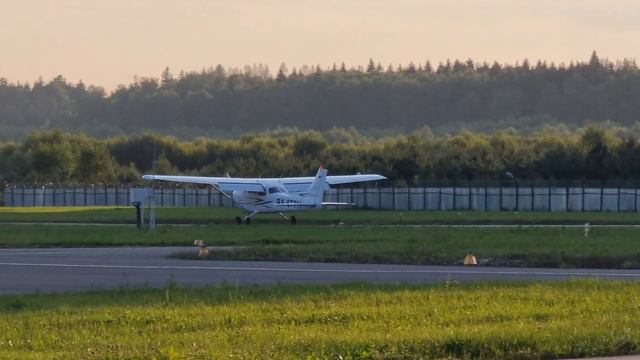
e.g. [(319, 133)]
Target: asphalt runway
[(70, 269)]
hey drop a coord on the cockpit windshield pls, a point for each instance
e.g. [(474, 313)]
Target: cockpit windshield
[(276, 189)]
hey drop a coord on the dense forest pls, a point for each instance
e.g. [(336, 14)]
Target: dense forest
[(446, 97), (591, 153)]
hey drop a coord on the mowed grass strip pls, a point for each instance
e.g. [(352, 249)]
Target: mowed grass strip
[(519, 247), (349, 321), (190, 215), (538, 247)]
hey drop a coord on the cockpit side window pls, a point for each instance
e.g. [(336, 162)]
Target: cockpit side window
[(273, 190)]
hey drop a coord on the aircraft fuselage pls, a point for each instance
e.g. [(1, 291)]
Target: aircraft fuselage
[(272, 203)]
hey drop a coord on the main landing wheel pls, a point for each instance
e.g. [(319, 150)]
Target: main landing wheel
[(248, 221), (238, 220), (292, 220)]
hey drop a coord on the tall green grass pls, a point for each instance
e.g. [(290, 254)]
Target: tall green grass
[(354, 321), (127, 215)]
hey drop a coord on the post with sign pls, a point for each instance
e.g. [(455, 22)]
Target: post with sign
[(141, 198)]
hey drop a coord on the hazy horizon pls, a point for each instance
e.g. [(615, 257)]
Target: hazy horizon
[(107, 43)]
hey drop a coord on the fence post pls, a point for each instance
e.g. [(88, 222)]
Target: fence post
[(549, 196), (517, 196), (500, 198), (424, 196), (184, 196), (582, 207), (566, 200), (209, 196), (351, 195), (635, 199), (533, 195), (409, 197), (618, 198), (455, 202), (486, 197), (469, 194), (601, 196), (364, 191), (439, 196), (173, 200), (379, 197), (393, 196)]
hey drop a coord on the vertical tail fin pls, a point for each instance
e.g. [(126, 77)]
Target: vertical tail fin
[(318, 186)]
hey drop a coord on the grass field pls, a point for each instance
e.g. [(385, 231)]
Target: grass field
[(351, 321), (604, 248), (320, 237), (126, 215), (553, 247)]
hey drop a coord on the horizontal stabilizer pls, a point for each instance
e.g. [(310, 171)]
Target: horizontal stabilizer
[(337, 204)]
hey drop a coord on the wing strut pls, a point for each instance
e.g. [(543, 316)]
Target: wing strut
[(222, 192)]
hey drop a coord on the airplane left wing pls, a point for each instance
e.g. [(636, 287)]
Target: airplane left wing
[(347, 179), (301, 184), (222, 183)]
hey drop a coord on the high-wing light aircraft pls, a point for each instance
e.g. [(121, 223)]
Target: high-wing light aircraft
[(273, 195)]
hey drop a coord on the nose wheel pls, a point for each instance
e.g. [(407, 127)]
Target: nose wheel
[(291, 219)]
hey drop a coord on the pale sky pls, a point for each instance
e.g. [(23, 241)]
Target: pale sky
[(108, 42)]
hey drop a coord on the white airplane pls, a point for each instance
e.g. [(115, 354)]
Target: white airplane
[(273, 195)]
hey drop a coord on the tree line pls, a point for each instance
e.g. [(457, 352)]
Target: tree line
[(222, 101), (591, 153)]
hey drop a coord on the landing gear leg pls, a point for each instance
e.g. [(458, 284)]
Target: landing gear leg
[(246, 219), (292, 219)]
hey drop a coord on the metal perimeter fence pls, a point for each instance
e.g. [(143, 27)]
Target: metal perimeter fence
[(484, 198)]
